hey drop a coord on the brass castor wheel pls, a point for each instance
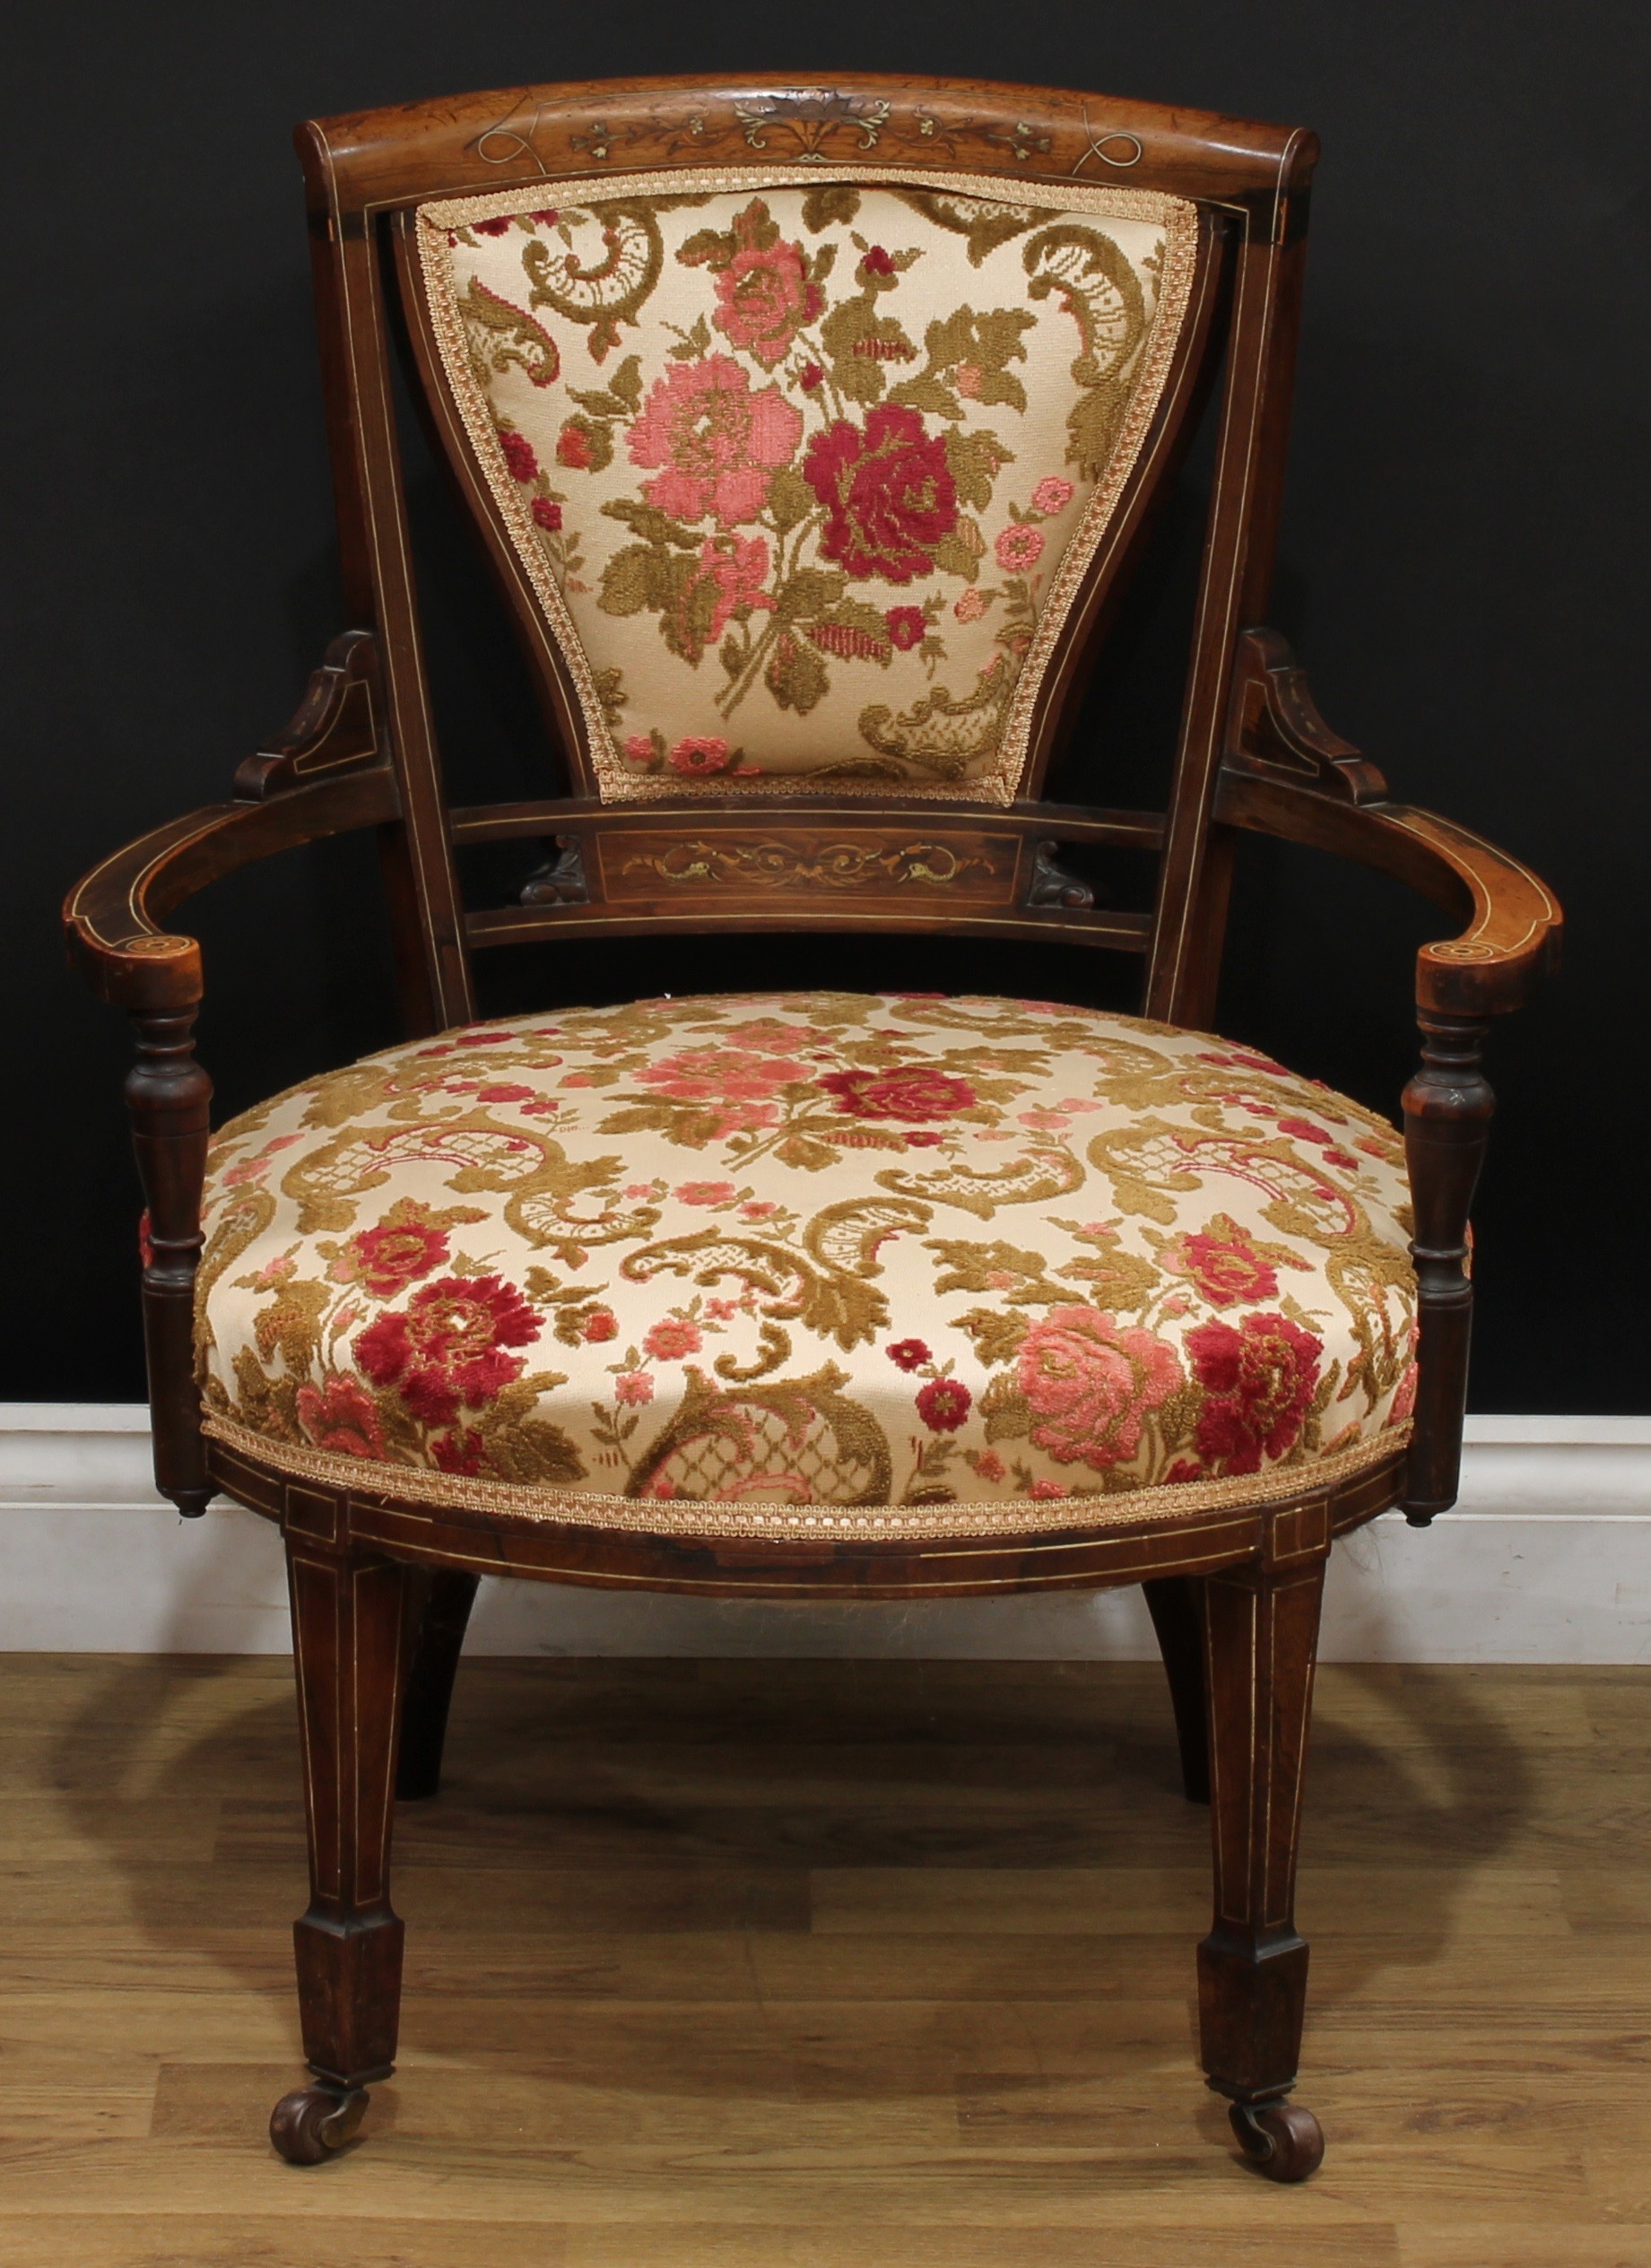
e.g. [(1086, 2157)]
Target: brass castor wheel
[(1281, 2140), (308, 2126)]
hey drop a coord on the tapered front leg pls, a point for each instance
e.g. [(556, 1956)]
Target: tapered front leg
[(1261, 1635), (444, 1601), (1175, 1602), (349, 1638)]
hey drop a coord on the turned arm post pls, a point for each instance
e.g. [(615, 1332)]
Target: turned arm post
[(168, 1095), (1447, 1108)]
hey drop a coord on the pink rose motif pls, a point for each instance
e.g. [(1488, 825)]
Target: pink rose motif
[(1052, 494), (971, 607), (968, 377), (1048, 1491), (1404, 1400), (907, 628), (1090, 1384), (699, 759), (633, 1387), (518, 455), (671, 1338), (764, 298), (640, 748), (341, 1415), (1258, 1380), (1019, 548), (988, 1465), (599, 1326), (720, 1075), (910, 1090), (718, 444), (573, 449), (703, 1193), (889, 494), (739, 568), (944, 1404)]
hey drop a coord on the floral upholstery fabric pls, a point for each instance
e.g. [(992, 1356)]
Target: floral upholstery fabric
[(805, 469), (890, 1264)]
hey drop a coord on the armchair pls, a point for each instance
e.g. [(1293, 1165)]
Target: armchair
[(809, 431)]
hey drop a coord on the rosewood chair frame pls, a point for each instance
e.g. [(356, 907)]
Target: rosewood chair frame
[(381, 1585)]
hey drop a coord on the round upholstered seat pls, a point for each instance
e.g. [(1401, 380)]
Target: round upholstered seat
[(863, 1266)]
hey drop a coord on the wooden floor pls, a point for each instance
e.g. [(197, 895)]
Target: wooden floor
[(824, 1965)]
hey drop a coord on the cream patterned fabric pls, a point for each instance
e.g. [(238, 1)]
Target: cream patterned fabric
[(805, 468), (870, 1264)]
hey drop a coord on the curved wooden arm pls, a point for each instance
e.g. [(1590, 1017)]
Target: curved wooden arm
[(1514, 921), (113, 918), (1511, 939)]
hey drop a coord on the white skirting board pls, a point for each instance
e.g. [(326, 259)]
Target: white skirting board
[(1547, 1559)]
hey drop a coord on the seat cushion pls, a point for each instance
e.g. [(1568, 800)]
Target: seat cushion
[(873, 1264)]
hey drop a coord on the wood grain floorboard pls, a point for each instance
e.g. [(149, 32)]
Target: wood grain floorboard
[(825, 1965)]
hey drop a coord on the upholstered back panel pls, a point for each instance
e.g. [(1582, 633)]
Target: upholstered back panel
[(805, 468)]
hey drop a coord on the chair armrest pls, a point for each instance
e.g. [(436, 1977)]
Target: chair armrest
[(114, 916), (1514, 921), (1286, 773)]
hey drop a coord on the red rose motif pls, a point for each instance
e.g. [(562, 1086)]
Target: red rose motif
[(500, 227), (546, 514), (910, 1090), (877, 262), (601, 1323), (340, 1416), (907, 627), (547, 216), (396, 1253), (1259, 1380), (573, 449), (909, 1354), (944, 1404), (716, 443), (518, 454), (1224, 1270), (459, 1451), (764, 298), (810, 375), (888, 492), (447, 1347), (1090, 1384)]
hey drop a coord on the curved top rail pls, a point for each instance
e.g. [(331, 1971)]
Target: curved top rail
[(515, 135)]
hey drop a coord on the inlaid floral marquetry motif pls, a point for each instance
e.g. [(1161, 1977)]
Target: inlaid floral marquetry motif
[(773, 865), (806, 466)]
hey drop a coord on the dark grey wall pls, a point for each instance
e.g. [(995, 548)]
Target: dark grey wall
[(1463, 564)]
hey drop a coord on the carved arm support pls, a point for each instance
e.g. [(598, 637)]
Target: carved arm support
[(114, 920), (1510, 940)]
